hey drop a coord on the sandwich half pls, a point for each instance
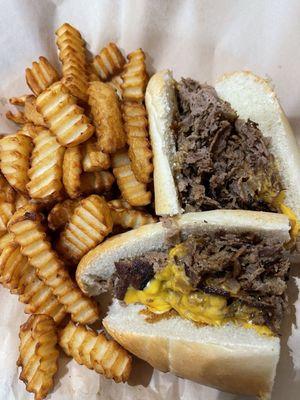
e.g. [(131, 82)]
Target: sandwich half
[(201, 295), (227, 147)]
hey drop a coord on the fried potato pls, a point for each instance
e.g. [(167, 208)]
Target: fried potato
[(15, 151), (20, 278), (31, 130), (18, 117), (7, 193), (6, 239), (93, 158), (119, 204), (71, 171), (72, 54), (128, 218), (30, 235), (135, 77), (20, 201), (109, 62), (96, 182), (140, 153), (107, 117), (89, 224), (45, 173), (61, 214), (63, 116), (31, 113), (18, 101), (41, 75), (38, 354), (94, 351), (92, 73), (6, 212), (133, 191), (116, 83)]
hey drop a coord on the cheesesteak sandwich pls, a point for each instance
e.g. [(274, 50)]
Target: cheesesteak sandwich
[(202, 295), (228, 147)]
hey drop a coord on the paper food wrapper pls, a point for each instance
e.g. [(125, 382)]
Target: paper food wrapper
[(199, 39)]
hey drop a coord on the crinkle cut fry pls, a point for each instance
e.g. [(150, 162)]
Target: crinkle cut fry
[(109, 61), (31, 113), (135, 77), (72, 170), (94, 351), (20, 278), (41, 75), (93, 158), (63, 116), (140, 153), (129, 218), (96, 182), (61, 213), (15, 151), (107, 117), (133, 191), (38, 354), (89, 224), (29, 233), (18, 117), (45, 174), (72, 54)]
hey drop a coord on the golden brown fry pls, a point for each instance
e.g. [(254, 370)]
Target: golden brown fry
[(31, 130), (94, 351), (38, 354), (90, 223), (18, 101), (63, 116), (5, 240), (128, 218), (15, 151), (45, 173), (74, 65), (132, 190), (41, 75), (20, 278), (30, 235), (94, 159), (31, 113), (6, 212), (96, 182), (20, 201), (107, 117), (71, 171), (116, 83), (109, 62), (18, 117), (135, 77), (61, 214), (119, 204), (140, 154), (7, 193), (92, 73)]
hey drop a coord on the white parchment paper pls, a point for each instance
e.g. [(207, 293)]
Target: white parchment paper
[(201, 39)]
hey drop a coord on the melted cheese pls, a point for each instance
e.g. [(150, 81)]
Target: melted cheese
[(171, 289)]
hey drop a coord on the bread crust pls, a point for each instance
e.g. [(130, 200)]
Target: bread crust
[(98, 265), (238, 362)]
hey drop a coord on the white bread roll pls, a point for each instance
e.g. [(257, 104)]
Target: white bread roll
[(252, 97), (99, 264), (229, 358)]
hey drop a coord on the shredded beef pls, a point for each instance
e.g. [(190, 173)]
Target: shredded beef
[(222, 161), (137, 272), (241, 267)]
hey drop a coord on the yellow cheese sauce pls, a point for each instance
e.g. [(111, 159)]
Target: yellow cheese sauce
[(170, 289)]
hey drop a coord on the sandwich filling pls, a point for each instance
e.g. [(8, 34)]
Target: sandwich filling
[(221, 160), (211, 280)]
